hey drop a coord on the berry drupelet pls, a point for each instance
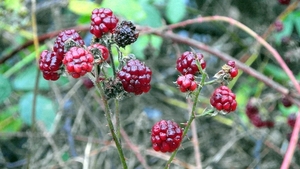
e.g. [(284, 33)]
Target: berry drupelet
[(135, 77), (103, 21), (166, 136), (187, 63)]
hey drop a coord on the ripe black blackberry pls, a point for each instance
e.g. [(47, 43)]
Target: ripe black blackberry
[(125, 34)]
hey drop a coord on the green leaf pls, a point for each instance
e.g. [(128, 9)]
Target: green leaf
[(82, 7), (153, 17), (276, 73), (9, 120), (129, 9), (45, 110), (25, 80), (13, 4), (84, 19), (297, 24), (287, 29), (143, 41), (5, 88), (286, 111), (175, 10)]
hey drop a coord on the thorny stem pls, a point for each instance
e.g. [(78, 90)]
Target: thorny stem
[(192, 117), (110, 125), (111, 58), (117, 116)]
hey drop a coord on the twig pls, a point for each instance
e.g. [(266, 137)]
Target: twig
[(87, 153), (195, 142), (110, 124), (135, 149), (192, 115)]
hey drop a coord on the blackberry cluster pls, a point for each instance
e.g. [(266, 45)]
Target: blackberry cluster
[(253, 114), (135, 77), (166, 136), (223, 99), (49, 64), (187, 63), (103, 21), (125, 34), (186, 83)]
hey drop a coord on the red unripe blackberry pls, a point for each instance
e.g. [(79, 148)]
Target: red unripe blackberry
[(166, 136), (78, 62), (278, 25), (66, 36), (186, 83), (135, 77), (231, 63), (286, 102), (223, 99), (292, 120), (233, 72), (187, 63), (103, 21), (251, 109), (87, 82), (253, 114), (49, 64), (284, 2), (125, 34), (100, 52)]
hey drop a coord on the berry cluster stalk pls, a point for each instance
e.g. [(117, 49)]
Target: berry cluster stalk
[(192, 115), (110, 124)]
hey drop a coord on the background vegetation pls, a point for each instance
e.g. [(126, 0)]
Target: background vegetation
[(71, 130)]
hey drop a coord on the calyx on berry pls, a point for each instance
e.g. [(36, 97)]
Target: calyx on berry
[(228, 71), (100, 53)]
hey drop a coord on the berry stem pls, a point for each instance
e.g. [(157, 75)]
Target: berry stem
[(111, 59), (117, 116), (110, 124), (192, 116)]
